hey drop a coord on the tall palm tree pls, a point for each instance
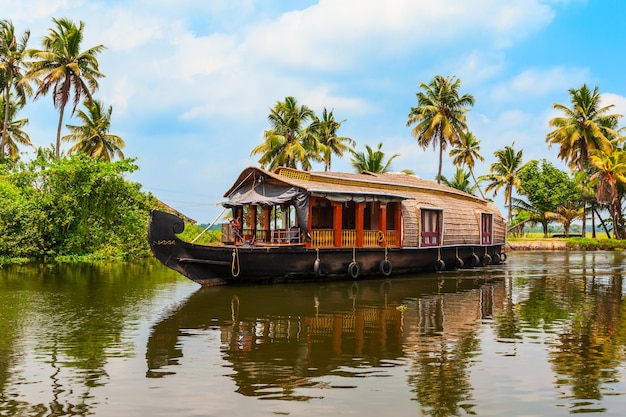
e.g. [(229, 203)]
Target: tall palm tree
[(372, 161), (584, 127), (12, 70), (14, 129), (440, 115), (465, 153), (288, 142), (504, 173), (62, 66), (460, 181), (610, 174), (325, 129), (93, 137)]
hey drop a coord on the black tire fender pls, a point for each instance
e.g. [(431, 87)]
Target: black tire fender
[(459, 263), (440, 265), (354, 270), (385, 267)]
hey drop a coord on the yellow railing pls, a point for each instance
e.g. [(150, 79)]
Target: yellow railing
[(393, 238), (348, 238), (371, 238), (322, 237)]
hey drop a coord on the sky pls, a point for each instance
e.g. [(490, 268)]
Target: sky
[(192, 82)]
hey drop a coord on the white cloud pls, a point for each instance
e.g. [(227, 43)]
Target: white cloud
[(618, 101), (536, 82)]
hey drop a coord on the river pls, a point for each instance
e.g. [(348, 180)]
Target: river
[(542, 335)]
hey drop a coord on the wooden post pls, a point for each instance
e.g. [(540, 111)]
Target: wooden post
[(358, 219), (398, 223), (382, 222), (252, 219), (337, 221), (310, 222)]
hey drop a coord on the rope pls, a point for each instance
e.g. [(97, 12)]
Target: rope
[(235, 268), (386, 254), (439, 253), (353, 254), (317, 254)]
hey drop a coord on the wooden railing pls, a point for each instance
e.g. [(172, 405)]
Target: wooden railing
[(393, 238), (348, 238), (371, 238), (322, 238), (325, 237)]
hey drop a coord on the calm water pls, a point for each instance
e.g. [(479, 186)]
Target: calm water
[(543, 335)]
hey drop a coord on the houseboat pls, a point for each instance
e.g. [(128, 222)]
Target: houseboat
[(292, 225)]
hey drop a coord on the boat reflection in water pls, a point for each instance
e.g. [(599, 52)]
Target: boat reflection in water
[(278, 339)]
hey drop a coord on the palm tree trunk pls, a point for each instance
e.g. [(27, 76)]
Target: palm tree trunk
[(5, 125), (606, 230), (58, 147), (584, 231), (440, 161), (476, 182)]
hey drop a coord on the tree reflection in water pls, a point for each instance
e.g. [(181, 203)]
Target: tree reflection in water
[(281, 345), (543, 334)]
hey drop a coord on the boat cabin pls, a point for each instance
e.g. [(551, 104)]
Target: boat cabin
[(325, 210)]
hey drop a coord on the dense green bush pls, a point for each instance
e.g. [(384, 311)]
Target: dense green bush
[(73, 206), (595, 244)]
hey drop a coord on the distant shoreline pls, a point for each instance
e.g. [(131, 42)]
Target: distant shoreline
[(537, 244)]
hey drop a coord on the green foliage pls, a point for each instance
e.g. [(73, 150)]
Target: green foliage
[(546, 186), (583, 243), (192, 231), (72, 206)]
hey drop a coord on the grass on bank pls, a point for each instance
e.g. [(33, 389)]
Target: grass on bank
[(600, 242)]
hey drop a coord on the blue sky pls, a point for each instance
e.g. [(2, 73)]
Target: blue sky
[(191, 82)]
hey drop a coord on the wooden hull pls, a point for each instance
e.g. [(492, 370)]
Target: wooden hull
[(222, 264)]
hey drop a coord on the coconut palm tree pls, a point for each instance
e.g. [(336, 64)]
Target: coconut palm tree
[(12, 70), (440, 115), (583, 128), (460, 181), (325, 129), (14, 129), (610, 174), (288, 142), (64, 68), (93, 137), (372, 161), (465, 153), (504, 174)]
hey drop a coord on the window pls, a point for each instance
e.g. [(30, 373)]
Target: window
[(431, 227), (486, 229)]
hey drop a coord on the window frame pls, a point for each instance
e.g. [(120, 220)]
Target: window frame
[(486, 228), (429, 237)]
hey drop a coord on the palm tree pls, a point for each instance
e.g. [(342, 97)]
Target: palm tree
[(12, 70), (465, 153), (14, 129), (440, 115), (62, 66), (585, 127), (372, 161), (289, 142), (567, 213), (93, 137), (325, 129), (610, 173), (504, 173), (460, 181)]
